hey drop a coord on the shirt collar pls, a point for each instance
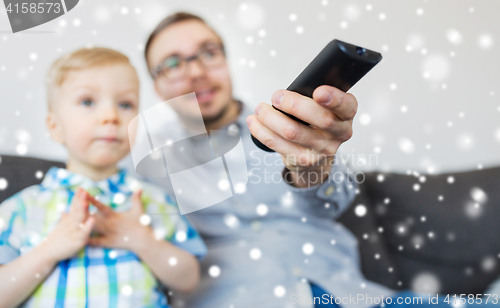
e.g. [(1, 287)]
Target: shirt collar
[(57, 178), (240, 121)]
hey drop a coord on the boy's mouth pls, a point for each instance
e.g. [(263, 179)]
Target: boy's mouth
[(109, 140)]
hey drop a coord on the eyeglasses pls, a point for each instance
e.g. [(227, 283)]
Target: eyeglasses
[(175, 67)]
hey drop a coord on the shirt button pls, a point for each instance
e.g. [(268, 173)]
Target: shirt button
[(329, 191)]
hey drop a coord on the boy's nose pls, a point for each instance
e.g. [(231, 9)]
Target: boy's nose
[(110, 116)]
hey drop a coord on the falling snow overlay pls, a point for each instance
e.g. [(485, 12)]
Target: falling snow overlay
[(426, 114)]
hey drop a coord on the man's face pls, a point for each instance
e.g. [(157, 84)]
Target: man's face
[(91, 113), (212, 85)]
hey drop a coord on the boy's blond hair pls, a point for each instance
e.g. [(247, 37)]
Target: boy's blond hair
[(78, 60)]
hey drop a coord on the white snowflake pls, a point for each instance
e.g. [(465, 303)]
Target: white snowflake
[(406, 145), (360, 210), (255, 253), (172, 261), (145, 219), (454, 36), (3, 184), (127, 290), (180, 236), (231, 221), (279, 291), (223, 184), (262, 210), (214, 271), (364, 119), (478, 195), (308, 248), (485, 41), (426, 283)]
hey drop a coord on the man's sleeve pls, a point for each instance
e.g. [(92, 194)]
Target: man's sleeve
[(170, 225), (11, 226), (330, 198)]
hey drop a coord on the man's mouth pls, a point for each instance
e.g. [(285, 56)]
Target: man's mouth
[(205, 95)]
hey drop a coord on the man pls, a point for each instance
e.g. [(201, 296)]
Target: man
[(276, 238)]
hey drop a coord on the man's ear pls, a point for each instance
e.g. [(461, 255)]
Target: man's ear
[(54, 128), (157, 89)]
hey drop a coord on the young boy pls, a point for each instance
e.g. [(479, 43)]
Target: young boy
[(54, 252)]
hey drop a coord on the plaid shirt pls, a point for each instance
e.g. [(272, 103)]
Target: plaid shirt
[(95, 276)]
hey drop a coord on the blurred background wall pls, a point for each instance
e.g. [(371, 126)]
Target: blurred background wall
[(432, 104)]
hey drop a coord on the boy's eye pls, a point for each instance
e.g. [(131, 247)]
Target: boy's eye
[(126, 105), (87, 102)]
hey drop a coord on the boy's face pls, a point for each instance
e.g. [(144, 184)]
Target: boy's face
[(91, 112)]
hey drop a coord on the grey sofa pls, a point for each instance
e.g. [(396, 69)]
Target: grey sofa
[(442, 235), (409, 236)]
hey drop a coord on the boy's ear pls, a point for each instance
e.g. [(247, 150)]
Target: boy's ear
[(54, 128)]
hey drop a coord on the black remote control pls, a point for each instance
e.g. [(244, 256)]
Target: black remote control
[(339, 64)]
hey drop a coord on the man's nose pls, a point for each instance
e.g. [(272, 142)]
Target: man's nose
[(195, 68)]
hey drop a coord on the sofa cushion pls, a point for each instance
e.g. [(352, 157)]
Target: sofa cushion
[(442, 231), (376, 260), (17, 173)]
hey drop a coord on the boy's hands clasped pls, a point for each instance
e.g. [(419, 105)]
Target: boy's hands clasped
[(121, 230), (115, 230), (73, 230)]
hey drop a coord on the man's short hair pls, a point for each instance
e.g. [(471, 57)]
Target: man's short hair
[(167, 22), (78, 60)]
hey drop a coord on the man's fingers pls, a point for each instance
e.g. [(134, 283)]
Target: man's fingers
[(273, 140), (310, 111), (343, 105), (298, 105), (100, 207), (291, 130), (291, 152)]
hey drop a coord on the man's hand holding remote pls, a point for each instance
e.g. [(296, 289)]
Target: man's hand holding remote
[(307, 151)]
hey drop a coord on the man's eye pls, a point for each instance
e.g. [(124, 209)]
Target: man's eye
[(87, 102), (126, 105), (172, 62), (209, 53)]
